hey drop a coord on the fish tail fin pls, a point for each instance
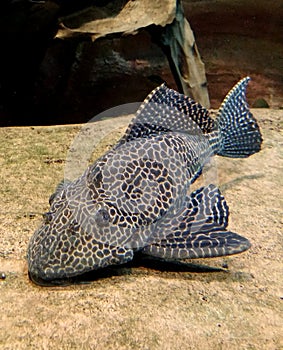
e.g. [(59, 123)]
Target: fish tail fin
[(239, 134)]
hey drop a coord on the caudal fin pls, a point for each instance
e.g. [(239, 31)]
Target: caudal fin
[(239, 134)]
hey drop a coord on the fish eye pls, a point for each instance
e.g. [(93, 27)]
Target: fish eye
[(104, 214), (102, 217)]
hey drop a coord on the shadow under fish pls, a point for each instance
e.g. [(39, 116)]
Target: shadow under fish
[(140, 265)]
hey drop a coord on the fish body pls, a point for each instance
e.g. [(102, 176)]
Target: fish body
[(135, 197)]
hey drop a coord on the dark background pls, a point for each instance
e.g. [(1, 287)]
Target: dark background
[(46, 80)]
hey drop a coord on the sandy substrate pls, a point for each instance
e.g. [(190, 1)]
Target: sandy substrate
[(225, 303)]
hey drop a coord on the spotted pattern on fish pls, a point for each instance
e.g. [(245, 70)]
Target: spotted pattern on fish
[(135, 197)]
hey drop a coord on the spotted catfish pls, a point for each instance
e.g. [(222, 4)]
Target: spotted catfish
[(135, 197)]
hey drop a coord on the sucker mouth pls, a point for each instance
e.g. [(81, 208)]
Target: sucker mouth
[(84, 278), (50, 283), (77, 278)]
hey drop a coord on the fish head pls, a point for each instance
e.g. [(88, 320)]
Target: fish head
[(76, 236)]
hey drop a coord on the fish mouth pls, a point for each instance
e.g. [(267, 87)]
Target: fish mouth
[(41, 278), (84, 278), (49, 283)]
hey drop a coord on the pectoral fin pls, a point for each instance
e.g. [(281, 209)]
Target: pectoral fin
[(199, 231)]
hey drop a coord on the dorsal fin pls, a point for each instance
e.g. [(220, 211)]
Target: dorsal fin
[(166, 110)]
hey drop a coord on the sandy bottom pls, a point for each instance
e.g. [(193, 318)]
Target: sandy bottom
[(225, 303)]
